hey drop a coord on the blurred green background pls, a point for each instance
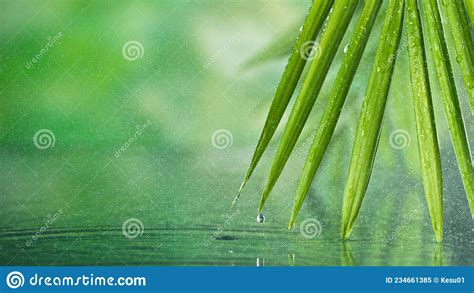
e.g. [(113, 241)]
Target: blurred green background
[(126, 128)]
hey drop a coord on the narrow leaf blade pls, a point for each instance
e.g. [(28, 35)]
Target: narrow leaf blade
[(335, 102), (370, 121), (470, 11), (462, 43), (428, 148), (331, 37), (314, 21), (449, 96)]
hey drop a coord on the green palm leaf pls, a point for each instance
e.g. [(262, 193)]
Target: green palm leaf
[(425, 122), (470, 10), (333, 32), (370, 121), (314, 21), (449, 96), (463, 44), (335, 102), (464, 20)]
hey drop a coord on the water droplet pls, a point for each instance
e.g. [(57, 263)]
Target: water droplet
[(260, 218), (345, 48)]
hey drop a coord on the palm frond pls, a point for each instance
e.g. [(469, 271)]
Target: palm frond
[(314, 21), (335, 102), (449, 96), (463, 44), (371, 117), (370, 121), (331, 37), (425, 121), (470, 10), (464, 18)]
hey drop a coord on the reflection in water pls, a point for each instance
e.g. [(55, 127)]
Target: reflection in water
[(180, 245), (438, 255), (291, 259), (347, 258)]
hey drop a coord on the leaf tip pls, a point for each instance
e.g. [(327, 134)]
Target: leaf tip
[(291, 225), (439, 236), (237, 197), (345, 232)]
